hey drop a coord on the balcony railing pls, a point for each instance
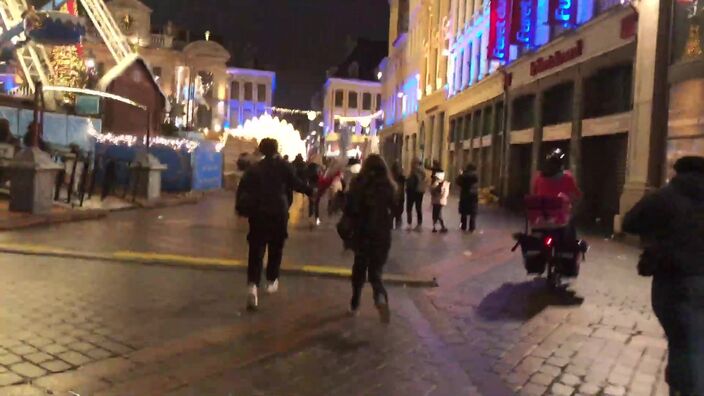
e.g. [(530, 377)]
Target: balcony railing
[(162, 41)]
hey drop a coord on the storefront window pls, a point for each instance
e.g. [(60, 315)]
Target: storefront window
[(688, 30), (686, 125)]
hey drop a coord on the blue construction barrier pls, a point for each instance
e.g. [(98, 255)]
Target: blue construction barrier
[(200, 170), (207, 164)]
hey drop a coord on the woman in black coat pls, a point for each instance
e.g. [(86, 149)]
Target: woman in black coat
[(371, 206), (469, 197)]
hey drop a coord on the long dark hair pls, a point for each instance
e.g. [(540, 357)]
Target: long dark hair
[(375, 170)]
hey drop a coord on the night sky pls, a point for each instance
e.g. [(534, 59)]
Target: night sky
[(299, 39)]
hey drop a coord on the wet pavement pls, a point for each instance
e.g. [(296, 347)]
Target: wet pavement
[(102, 328)]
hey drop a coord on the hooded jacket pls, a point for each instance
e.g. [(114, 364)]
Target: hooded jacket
[(673, 219)]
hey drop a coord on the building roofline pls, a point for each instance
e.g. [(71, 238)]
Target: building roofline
[(374, 84), (250, 72)]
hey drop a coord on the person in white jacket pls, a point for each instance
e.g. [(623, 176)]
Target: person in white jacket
[(439, 192)]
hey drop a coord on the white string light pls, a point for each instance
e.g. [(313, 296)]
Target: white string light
[(361, 119), (131, 140), (284, 110)]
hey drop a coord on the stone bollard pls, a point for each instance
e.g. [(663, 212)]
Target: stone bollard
[(32, 181), (146, 171)]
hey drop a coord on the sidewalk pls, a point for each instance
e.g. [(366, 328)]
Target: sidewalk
[(15, 220)]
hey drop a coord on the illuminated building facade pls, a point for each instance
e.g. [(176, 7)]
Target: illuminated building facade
[(251, 93), (352, 100), (191, 73), (502, 82)]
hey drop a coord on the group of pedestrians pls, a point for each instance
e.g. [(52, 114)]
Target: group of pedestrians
[(670, 222), (417, 184), (371, 196)]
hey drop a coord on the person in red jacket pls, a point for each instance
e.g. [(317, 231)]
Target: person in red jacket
[(555, 181)]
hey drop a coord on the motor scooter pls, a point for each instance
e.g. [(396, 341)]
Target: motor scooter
[(546, 243)]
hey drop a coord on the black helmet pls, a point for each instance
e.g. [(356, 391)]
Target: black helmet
[(554, 162), (556, 157)]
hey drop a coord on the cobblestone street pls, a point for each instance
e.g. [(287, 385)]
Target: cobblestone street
[(105, 328)]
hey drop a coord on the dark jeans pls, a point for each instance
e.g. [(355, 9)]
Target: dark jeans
[(314, 206), (437, 215), (472, 221), (678, 303), (414, 198), (369, 260), (257, 248)]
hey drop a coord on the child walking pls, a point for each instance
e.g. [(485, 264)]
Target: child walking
[(439, 191)]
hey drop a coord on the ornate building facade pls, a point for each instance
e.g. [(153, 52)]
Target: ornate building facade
[(498, 83)]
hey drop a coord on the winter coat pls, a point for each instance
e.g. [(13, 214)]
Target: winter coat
[(371, 204), (469, 192), (268, 183), (671, 220), (439, 192), (417, 181)]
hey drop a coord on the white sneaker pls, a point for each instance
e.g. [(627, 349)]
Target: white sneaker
[(272, 287), (252, 300), (317, 221)]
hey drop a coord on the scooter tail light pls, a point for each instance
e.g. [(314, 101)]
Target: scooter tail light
[(548, 241)]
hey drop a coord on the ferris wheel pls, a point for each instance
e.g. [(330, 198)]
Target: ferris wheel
[(26, 31)]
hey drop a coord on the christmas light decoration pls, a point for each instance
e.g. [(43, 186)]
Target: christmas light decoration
[(283, 110), (69, 69), (364, 120), (131, 140), (289, 139)]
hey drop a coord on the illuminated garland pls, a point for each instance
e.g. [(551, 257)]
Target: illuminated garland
[(284, 110), (374, 116), (130, 140)]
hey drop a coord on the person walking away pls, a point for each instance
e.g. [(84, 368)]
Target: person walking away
[(299, 166), (416, 185), (400, 180), (469, 197), (370, 207), (262, 197), (312, 177), (439, 191), (670, 222)]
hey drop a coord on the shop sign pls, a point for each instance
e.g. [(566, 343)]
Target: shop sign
[(523, 21), (563, 12), (499, 29), (557, 59)]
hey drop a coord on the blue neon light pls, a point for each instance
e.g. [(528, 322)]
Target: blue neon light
[(525, 35)]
